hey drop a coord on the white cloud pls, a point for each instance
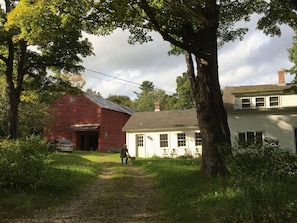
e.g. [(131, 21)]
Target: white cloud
[(255, 60)]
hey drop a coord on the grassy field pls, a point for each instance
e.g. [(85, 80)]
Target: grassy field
[(186, 195)]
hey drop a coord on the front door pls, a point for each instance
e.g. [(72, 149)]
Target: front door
[(140, 150)]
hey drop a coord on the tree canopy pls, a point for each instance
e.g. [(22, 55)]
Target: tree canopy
[(35, 37)]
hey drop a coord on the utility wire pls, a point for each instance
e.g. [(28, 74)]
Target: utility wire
[(117, 78)]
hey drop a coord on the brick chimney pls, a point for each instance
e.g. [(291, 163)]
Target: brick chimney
[(281, 77), (157, 106)]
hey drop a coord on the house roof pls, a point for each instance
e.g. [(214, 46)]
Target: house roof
[(263, 89), (167, 119), (103, 103)]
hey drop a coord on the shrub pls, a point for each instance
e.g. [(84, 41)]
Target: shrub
[(262, 175), (23, 163)]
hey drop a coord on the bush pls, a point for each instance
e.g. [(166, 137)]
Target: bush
[(262, 175), (23, 163)]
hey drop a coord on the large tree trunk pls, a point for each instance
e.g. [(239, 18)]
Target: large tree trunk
[(211, 114)]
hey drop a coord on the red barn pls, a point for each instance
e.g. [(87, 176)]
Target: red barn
[(89, 121)]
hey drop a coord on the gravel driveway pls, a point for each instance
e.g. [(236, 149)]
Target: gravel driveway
[(122, 193)]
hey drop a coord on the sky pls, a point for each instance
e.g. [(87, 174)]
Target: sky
[(118, 68)]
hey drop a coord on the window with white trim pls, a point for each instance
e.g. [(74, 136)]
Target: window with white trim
[(246, 103), (139, 140), (274, 101), (198, 139), (260, 102), (250, 137), (181, 139), (163, 140)]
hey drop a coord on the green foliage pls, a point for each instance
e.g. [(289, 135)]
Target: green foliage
[(293, 57), (184, 95), (262, 177), (275, 13), (65, 175), (23, 163), (38, 36), (33, 114), (120, 99), (90, 91)]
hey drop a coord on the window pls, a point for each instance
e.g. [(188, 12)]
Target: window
[(181, 139), (260, 102), (163, 140), (273, 101), (139, 140), (250, 137), (198, 139), (246, 103)]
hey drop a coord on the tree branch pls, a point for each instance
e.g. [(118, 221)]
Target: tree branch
[(166, 36), (4, 59)]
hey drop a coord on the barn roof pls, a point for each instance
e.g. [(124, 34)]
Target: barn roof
[(167, 119), (103, 103)]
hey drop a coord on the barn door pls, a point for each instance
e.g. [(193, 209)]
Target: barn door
[(140, 150)]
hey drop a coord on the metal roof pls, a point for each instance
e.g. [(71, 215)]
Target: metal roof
[(103, 103)]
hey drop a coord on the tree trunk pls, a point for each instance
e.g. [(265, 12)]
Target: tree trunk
[(13, 89), (211, 114)]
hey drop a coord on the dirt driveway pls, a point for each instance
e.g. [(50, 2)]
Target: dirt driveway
[(122, 193)]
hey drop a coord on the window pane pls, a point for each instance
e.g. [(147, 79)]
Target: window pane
[(273, 101), (250, 136), (139, 139), (163, 140), (181, 139), (259, 137), (246, 103), (198, 139), (260, 102), (241, 137)]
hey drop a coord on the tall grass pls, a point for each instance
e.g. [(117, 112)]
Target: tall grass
[(65, 176)]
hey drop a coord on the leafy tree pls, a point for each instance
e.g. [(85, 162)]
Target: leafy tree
[(293, 57), (146, 87), (148, 96), (197, 28), (183, 93), (120, 99), (33, 114), (90, 91), (36, 36), (76, 80)]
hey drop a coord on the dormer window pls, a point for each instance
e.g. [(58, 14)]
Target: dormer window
[(258, 102), (274, 101), (246, 103)]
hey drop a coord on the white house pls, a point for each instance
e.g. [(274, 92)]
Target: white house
[(261, 111), (163, 133), (265, 111)]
